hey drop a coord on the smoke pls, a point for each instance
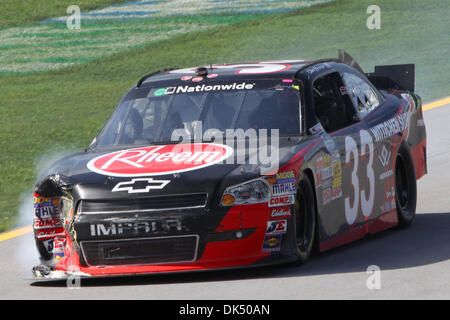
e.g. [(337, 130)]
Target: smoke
[(26, 254)]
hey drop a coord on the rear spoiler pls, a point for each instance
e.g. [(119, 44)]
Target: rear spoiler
[(391, 77)]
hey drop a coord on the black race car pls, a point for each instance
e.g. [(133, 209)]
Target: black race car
[(236, 165)]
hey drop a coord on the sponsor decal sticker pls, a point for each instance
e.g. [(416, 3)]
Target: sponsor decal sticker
[(285, 177), (48, 245), (160, 92), (281, 212), (317, 129), (281, 201), (283, 188), (326, 196), (46, 224), (276, 227), (343, 90), (386, 174), (272, 243), (59, 249), (41, 202), (390, 127), (327, 173), (159, 160), (45, 213), (50, 233)]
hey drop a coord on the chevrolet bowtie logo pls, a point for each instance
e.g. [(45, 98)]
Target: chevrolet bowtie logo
[(140, 185)]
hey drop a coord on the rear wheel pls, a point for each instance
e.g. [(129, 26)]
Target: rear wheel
[(305, 219), (406, 187)]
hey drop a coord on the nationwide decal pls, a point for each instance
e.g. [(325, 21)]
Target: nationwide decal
[(281, 201), (281, 212), (160, 160), (272, 243), (283, 188), (276, 227), (140, 185), (204, 88)]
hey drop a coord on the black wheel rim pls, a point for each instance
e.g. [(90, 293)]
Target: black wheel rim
[(402, 183), (303, 225)]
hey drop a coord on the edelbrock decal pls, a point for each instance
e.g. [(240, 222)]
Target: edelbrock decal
[(159, 160)]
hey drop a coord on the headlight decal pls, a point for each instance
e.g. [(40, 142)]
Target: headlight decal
[(277, 190), (250, 192)]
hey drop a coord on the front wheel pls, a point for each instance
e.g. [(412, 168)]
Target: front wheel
[(406, 187), (305, 219)]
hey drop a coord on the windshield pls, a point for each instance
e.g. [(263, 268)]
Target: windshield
[(162, 115)]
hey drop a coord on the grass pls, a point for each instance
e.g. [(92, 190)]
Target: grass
[(44, 114), (24, 12)]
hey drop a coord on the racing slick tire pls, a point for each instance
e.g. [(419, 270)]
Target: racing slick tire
[(305, 219), (406, 187)]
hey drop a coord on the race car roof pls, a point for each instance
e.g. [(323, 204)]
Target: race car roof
[(266, 69)]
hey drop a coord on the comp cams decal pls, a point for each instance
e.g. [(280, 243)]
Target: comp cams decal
[(159, 160), (281, 200)]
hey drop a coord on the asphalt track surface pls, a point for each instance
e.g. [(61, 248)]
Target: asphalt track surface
[(414, 263)]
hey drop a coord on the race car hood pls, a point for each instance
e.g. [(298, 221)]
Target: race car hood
[(147, 171)]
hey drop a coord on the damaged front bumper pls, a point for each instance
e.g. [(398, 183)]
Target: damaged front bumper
[(92, 238)]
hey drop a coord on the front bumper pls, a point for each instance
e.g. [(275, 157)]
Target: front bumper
[(178, 241)]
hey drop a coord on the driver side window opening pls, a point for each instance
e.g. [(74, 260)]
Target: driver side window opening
[(363, 96), (332, 106)]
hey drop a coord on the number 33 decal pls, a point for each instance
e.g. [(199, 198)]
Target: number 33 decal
[(351, 148)]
